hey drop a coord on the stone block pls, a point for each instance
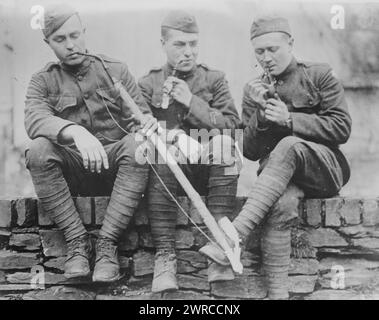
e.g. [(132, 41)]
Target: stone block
[(84, 207), (303, 267), (302, 284), (146, 240), (60, 293), (370, 212), (128, 241), (141, 217), (190, 282), (332, 207), (313, 209), (194, 214), (26, 210), (351, 211), (360, 231), (367, 243), (185, 295), (199, 238), (185, 267), (53, 243), (194, 258), (100, 208), (182, 219), (184, 239), (347, 264), (25, 241), (6, 211), (55, 263), (43, 217), (242, 287), (14, 260), (340, 212), (49, 278), (325, 238), (143, 263), (336, 295), (349, 279)]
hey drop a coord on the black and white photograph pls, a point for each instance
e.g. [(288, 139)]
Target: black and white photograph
[(204, 151)]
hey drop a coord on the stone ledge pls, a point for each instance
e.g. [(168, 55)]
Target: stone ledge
[(343, 233)]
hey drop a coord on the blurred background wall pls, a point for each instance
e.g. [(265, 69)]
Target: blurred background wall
[(130, 31)]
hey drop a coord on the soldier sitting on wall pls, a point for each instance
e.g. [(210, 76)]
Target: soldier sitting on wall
[(295, 117), (78, 149), (198, 98)]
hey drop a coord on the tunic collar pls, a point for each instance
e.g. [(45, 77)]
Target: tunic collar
[(287, 71), (179, 74)]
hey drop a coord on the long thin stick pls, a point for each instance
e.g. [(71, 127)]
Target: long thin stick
[(208, 219)]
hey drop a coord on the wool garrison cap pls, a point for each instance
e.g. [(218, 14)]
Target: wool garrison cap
[(55, 16), (268, 24), (180, 20)]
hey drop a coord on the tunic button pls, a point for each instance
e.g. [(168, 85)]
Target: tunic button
[(86, 96), (80, 78), (280, 82), (310, 102)]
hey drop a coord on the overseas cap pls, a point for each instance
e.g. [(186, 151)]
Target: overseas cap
[(269, 24), (180, 20), (55, 16)]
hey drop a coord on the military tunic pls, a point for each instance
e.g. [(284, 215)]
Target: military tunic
[(60, 95), (315, 100), (211, 106)]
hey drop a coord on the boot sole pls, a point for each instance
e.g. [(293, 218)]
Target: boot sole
[(165, 290), (77, 275), (118, 277)]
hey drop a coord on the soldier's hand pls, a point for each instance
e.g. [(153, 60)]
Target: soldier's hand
[(150, 125), (189, 147), (257, 92), (180, 91), (277, 111), (92, 151)]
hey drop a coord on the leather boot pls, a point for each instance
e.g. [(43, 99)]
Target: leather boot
[(165, 268), (107, 267), (77, 258)]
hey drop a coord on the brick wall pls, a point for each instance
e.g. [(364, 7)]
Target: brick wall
[(344, 233)]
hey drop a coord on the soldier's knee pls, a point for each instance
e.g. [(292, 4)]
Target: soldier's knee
[(286, 209), (223, 149), (289, 144), (131, 151), (39, 152)]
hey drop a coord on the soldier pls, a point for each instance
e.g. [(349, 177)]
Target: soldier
[(77, 148), (295, 116), (199, 98)]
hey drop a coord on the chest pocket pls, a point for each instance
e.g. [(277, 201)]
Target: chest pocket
[(111, 97), (62, 103), (306, 99)]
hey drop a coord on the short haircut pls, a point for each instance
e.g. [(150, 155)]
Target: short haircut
[(165, 33)]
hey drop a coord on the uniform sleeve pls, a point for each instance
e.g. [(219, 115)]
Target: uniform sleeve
[(40, 119), (331, 125), (146, 90), (134, 91), (258, 139), (221, 114)]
